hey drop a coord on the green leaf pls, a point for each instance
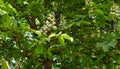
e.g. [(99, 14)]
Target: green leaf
[(117, 59), (52, 35), (105, 48), (107, 44), (49, 53), (39, 49), (65, 36), (5, 64), (25, 26), (6, 20), (34, 44), (61, 40), (99, 12), (112, 43), (84, 22), (1, 2), (112, 16), (10, 9), (19, 1), (36, 32), (110, 66), (71, 24)]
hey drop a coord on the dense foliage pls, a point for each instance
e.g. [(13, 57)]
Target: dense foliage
[(59, 34)]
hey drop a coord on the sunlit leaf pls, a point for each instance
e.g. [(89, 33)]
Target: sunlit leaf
[(65, 36), (52, 35), (61, 40), (36, 32), (5, 64), (11, 9), (1, 2)]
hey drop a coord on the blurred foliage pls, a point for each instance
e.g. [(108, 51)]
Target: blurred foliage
[(59, 34)]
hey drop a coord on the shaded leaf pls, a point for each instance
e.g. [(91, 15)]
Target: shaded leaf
[(99, 12), (105, 48), (117, 59), (110, 66), (49, 53), (107, 44), (112, 43), (39, 49)]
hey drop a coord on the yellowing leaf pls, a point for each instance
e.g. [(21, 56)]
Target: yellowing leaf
[(36, 32), (5, 64), (52, 35), (65, 36)]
